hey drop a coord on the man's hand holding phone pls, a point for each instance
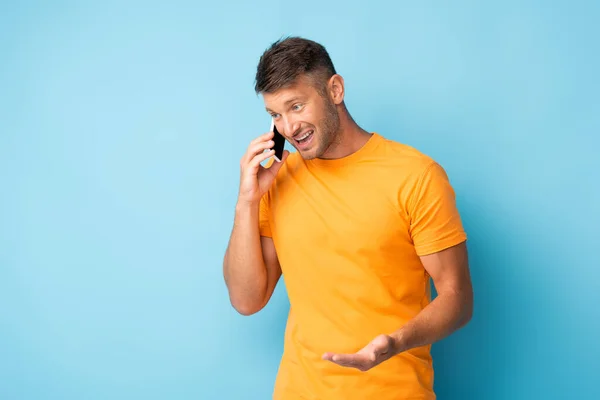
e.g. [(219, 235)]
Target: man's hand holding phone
[(255, 180), (250, 265)]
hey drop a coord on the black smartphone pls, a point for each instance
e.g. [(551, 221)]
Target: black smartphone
[(279, 142)]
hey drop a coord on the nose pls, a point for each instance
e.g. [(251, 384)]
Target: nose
[(290, 125)]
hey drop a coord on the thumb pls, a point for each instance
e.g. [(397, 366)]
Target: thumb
[(380, 344)]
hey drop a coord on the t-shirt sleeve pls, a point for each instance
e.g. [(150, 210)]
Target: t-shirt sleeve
[(263, 216), (435, 223)]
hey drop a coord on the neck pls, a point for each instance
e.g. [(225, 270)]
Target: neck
[(349, 138)]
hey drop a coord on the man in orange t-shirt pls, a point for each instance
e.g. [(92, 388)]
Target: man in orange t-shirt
[(357, 224)]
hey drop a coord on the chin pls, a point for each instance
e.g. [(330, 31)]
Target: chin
[(309, 154), (306, 155)]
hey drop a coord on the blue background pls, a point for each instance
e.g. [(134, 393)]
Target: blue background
[(121, 130)]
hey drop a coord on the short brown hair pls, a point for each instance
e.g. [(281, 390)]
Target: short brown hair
[(287, 59)]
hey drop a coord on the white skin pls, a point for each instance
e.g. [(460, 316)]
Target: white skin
[(251, 268), (300, 107)]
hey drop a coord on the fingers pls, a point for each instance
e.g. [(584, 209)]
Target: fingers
[(261, 157), (259, 147), (256, 149), (262, 138), (359, 361), (343, 359), (374, 353)]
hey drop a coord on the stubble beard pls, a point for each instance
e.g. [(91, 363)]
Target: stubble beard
[(329, 127)]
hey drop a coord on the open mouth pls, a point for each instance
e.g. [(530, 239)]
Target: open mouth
[(304, 138)]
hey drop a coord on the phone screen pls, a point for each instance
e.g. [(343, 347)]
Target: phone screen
[(279, 143)]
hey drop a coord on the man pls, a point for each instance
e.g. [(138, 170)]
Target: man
[(357, 224)]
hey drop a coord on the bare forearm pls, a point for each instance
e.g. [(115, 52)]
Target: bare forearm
[(448, 312), (244, 268)]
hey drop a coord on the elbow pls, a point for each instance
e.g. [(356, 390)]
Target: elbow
[(467, 310), (462, 307), (468, 316), (246, 308)]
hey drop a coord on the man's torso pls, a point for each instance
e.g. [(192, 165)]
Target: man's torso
[(342, 233)]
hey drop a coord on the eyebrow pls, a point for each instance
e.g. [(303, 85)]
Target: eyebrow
[(292, 100)]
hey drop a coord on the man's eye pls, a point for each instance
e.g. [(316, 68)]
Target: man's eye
[(297, 107)]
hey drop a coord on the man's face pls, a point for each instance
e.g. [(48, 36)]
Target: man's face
[(305, 118)]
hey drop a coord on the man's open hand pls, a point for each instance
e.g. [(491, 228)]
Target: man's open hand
[(380, 349)]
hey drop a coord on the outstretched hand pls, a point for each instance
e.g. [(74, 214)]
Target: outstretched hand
[(380, 349)]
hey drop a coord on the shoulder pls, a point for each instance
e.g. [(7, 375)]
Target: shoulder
[(404, 159), (416, 176)]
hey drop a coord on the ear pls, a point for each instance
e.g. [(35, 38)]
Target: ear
[(336, 88)]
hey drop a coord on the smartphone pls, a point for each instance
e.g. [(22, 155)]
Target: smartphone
[(279, 142)]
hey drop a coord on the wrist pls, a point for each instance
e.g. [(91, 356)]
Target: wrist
[(399, 344), (243, 205)]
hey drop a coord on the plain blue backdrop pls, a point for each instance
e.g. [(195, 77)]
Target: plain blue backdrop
[(121, 130)]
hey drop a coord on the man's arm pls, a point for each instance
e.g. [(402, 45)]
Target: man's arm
[(450, 310), (435, 225), (250, 266)]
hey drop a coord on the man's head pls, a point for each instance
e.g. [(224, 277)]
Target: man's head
[(302, 92)]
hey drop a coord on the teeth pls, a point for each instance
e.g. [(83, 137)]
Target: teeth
[(304, 136)]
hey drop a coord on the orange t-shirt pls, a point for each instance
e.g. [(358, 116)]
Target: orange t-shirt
[(348, 234)]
